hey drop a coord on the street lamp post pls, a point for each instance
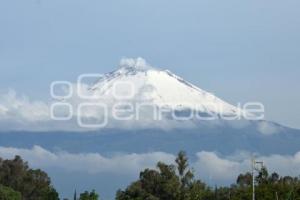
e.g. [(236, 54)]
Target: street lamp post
[(254, 164)]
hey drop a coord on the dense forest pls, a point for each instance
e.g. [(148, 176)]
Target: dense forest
[(166, 182)]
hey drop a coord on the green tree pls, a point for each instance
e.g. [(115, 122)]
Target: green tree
[(167, 182), (7, 193), (199, 190), (185, 175), (89, 195), (32, 184), (244, 180), (176, 182)]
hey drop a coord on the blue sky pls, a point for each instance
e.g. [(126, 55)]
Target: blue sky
[(239, 50)]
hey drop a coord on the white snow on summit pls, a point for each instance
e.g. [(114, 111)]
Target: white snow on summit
[(137, 81)]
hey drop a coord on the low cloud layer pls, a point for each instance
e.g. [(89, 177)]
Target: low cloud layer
[(20, 108), (92, 163), (21, 113), (209, 166)]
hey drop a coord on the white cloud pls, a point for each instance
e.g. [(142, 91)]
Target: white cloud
[(138, 63), (217, 168), (21, 113), (209, 166), (87, 162), (267, 128), (13, 107)]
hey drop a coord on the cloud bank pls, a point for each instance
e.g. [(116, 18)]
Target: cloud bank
[(19, 113), (20, 108), (87, 162), (209, 166)]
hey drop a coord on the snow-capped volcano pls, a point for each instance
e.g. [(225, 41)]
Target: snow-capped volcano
[(24, 123), (136, 95), (136, 81)]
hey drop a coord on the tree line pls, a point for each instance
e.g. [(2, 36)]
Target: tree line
[(19, 182), (166, 182)]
